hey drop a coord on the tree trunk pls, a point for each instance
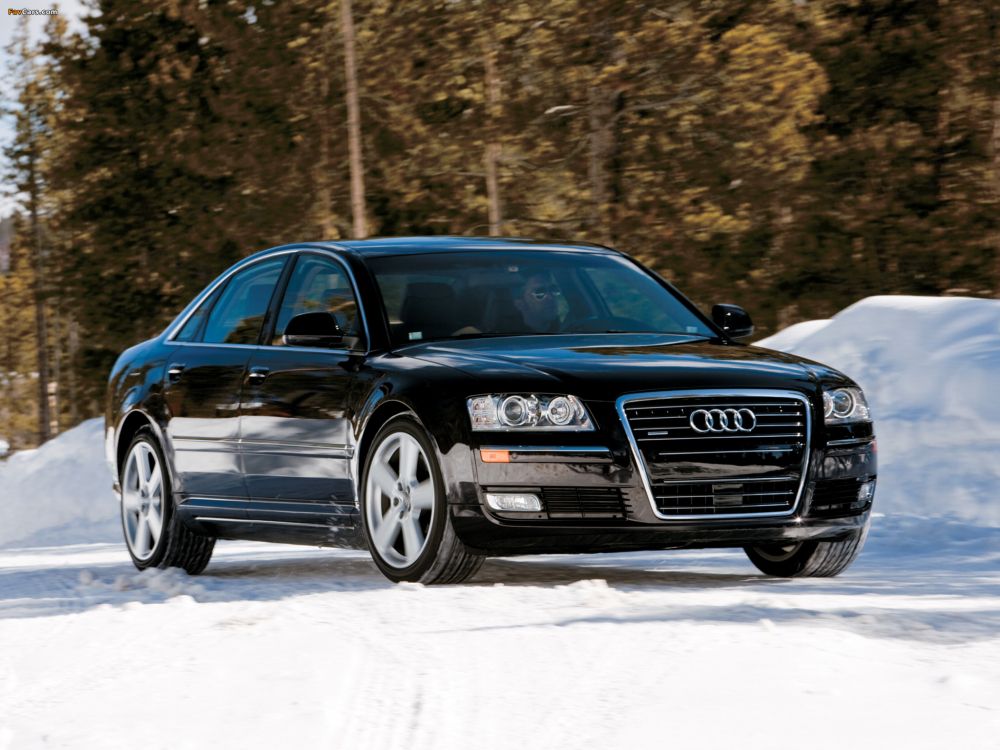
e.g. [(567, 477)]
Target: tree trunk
[(41, 324), (7, 410), (324, 192), (57, 353), (74, 347), (353, 123), (601, 121), (994, 151), (492, 156), (605, 103), (995, 169)]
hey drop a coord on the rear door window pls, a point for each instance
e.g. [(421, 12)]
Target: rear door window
[(239, 311), (191, 330)]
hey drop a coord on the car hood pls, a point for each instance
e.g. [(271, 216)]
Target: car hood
[(603, 366)]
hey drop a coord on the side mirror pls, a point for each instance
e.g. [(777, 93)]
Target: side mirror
[(733, 320), (319, 329)]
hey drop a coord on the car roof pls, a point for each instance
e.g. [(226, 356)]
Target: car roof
[(444, 244)]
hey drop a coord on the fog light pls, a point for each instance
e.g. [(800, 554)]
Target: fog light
[(866, 492), (513, 502)]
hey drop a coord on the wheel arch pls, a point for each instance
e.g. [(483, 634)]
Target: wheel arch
[(382, 413), (130, 424)]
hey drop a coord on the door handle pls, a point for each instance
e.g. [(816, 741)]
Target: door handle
[(174, 373), (257, 375)]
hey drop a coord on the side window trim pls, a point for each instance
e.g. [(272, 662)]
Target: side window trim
[(295, 252)]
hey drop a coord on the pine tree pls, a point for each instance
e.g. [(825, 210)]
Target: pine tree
[(26, 155), (182, 154), (796, 155), (18, 352)]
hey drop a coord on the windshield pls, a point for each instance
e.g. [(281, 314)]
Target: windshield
[(455, 295)]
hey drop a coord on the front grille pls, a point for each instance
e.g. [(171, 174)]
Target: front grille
[(836, 497), (583, 502), (692, 474), (725, 496)]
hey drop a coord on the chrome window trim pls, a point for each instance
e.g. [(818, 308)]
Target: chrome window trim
[(640, 462), (176, 328), (320, 350)]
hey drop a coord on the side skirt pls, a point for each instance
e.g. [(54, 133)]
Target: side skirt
[(231, 520)]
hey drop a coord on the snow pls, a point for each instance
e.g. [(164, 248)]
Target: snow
[(278, 645), (787, 338), (59, 493), (282, 646), (930, 368)]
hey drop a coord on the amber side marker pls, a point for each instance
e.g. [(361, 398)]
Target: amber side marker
[(494, 457)]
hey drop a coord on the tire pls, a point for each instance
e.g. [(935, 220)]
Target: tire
[(152, 543), (808, 559), (404, 512)]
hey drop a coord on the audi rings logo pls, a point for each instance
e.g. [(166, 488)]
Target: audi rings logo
[(722, 420)]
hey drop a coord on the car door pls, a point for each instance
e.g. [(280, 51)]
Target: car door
[(295, 420), (204, 376)]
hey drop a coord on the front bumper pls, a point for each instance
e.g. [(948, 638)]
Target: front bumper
[(595, 468)]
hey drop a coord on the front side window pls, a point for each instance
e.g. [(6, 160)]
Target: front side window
[(491, 293), (239, 311), (320, 284)]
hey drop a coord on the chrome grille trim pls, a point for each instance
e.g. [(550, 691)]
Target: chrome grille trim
[(710, 393)]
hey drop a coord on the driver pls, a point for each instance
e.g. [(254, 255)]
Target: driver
[(538, 302)]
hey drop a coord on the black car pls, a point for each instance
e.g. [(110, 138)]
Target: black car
[(443, 399)]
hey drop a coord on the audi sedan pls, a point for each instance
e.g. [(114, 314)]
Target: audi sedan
[(440, 400)]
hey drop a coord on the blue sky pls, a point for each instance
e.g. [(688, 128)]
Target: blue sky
[(73, 9)]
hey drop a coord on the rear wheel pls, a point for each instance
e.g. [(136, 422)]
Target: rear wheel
[(404, 512), (154, 534), (807, 559)]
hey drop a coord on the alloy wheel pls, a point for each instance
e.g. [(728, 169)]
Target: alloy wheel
[(399, 500), (142, 501)]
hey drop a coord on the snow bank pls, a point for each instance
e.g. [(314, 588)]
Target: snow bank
[(59, 493), (930, 367), (787, 338)]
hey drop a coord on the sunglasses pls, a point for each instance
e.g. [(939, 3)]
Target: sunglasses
[(542, 292)]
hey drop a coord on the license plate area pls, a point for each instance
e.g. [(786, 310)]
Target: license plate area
[(728, 495)]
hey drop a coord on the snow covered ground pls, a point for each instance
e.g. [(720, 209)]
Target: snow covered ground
[(281, 646), (290, 646)]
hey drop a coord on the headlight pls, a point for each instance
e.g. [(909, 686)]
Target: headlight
[(528, 411), (843, 405)]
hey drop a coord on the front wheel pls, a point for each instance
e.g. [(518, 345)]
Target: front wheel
[(404, 512), (808, 559), (154, 534)]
